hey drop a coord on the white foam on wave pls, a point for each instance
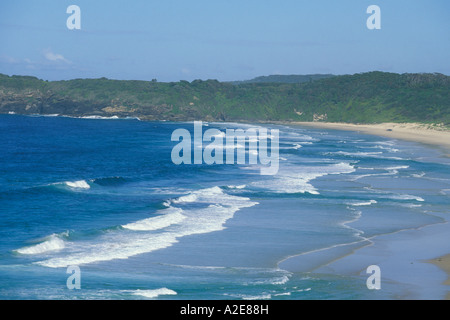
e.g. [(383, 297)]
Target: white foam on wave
[(158, 222), (276, 280), (410, 205), (282, 294), (264, 296), (364, 203), (395, 196), (354, 178), (355, 154), (52, 243), (391, 171), (395, 168), (114, 245), (385, 143), (154, 293), (209, 195), (418, 175), (100, 117), (165, 231), (377, 155), (81, 184), (186, 199), (406, 197), (296, 184), (297, 179), (382, 147), (237, 187), (299, 136)]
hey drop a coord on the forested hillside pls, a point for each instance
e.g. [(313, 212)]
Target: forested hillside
[(360, 98)]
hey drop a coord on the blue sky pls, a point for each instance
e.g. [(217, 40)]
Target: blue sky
[(175, 40)]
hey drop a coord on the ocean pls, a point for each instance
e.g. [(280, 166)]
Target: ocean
[(103, 196)]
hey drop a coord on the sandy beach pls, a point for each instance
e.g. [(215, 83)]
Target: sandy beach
[(444, 264), (433, 136), (415, 132)]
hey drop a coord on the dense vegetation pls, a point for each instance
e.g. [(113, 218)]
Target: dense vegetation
[(360, 98)]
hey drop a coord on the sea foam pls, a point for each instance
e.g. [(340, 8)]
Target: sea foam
[(82, 184), (363, 203), (52, 243), (159, 232), (406, 197), (174, 216), (154, 293), (297, 179)]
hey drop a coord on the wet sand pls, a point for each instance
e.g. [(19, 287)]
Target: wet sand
[(409, 257)]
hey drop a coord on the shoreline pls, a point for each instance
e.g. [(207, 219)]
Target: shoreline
[(412, 132), (406, 258), (443, 263)]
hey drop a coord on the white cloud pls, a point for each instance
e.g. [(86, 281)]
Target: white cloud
[(54, 57)]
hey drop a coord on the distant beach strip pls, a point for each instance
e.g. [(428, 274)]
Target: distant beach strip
[(415, 132)]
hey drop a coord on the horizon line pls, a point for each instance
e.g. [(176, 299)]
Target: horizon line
[(223, 81)]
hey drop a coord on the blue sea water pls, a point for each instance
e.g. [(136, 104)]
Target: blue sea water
[(104, 195)]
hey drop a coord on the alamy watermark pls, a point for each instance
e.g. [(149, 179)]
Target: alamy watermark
[(73, 22), (231, 145), (74, 280), (373, 282), (374, 20)]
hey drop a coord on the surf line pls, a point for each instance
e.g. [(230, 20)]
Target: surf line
[(234, 141)]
